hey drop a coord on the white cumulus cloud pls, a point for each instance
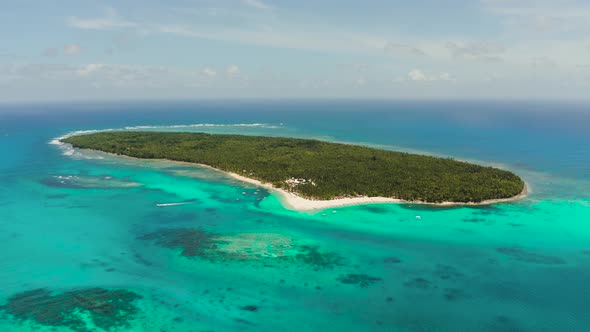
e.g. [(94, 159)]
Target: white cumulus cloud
[(72, 49), (480, 51), (89, 69), (109, 22), (256, 4), (417, 75), (232, 70), (209, 72), (402, 49)]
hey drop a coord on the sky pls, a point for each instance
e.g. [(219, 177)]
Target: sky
[(222, 49)]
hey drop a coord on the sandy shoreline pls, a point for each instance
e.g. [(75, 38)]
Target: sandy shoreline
[(295, 202), (292, 201)]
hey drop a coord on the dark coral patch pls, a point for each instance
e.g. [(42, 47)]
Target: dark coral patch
[(251, 308), (453, 294), (108, 309), (503, 323), (374, 209), (418, 283), (222, 199), (391, 260), (362, 280), (193, 242), (311, 255), (487, 210), (58, 196), (446, 272), (520, 254), (262, 248), (473, 220), (243, 321), (141, 260)]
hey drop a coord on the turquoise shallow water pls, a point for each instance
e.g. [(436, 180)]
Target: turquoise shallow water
[(230, 257)]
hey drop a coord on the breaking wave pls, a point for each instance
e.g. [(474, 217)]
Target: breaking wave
[(68, 150)]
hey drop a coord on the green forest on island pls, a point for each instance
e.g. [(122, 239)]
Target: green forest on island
[(331, 170)]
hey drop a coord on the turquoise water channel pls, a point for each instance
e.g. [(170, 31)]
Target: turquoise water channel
[(92, 242)]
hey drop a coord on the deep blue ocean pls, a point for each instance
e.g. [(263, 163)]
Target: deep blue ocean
[(92, 242)]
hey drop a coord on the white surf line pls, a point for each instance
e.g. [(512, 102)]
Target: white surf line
[(68, 150), (200, 125)]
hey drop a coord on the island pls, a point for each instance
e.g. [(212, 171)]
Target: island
[(313, 174)]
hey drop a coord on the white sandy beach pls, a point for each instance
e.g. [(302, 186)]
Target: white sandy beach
[(299, 203), (295, 202)]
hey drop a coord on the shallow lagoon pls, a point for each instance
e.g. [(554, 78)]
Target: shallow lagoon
[(230, 257)]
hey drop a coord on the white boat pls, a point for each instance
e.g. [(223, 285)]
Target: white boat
[(170, 204)]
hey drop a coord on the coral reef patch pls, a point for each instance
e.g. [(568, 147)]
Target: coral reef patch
[(362, 280), (521, 255), (82, 310), (267, 248)]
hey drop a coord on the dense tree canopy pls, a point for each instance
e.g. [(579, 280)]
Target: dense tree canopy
[(330, 170)]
